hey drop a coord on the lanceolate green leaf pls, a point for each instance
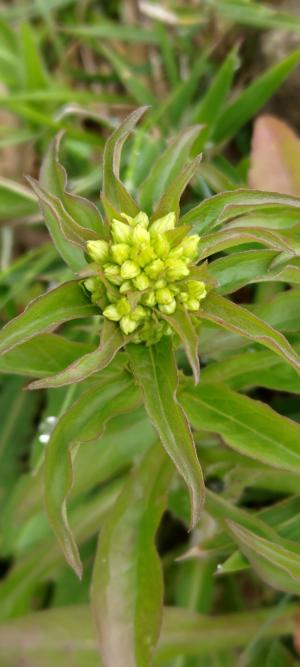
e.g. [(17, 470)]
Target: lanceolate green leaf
[(113, 189), (253, 98), (42, 355), (242, 268), (215, 210), (239, 320), (67, 302), (171, 197), (261, 368), (229, 238), (211, 105), (181, 322), (84, 421), (248, 426), (111, 341), (128, 607), (278, 563), (155, 371)]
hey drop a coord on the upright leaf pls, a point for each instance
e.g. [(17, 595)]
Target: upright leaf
[(181, 322), (113, 189), (170, 199), (128, 607), (155, 371), (209, 109), (254, 98), (166, 168)]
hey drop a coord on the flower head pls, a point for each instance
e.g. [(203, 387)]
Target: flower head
[(150, 274)]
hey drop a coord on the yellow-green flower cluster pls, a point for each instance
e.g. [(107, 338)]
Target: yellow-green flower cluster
[(143, 274)]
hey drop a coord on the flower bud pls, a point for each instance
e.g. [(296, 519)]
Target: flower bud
[(142, 254), (196, 289), (140, 235), (112, 272), (190, 246), (141, 219), (164, 296), (123, 307), (139, 313), (141, 282), (193, 304), (168, 308), (128, 325), (161, 245), (163, 224), (160, 283), (121, 232), (176, 269), (183, 297), (149, 299), (98, 250), (129, 270), (154, 269), (120, 252), (112, 313), (126, 287)]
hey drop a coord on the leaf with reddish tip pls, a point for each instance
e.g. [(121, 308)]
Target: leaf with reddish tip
[(155, 371), (275, 157), (181, 322), (64, 303), (84, 421), (111, 342), (128, 608), (236, 318)]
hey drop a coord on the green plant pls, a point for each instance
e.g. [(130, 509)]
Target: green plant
[(136, 383)]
